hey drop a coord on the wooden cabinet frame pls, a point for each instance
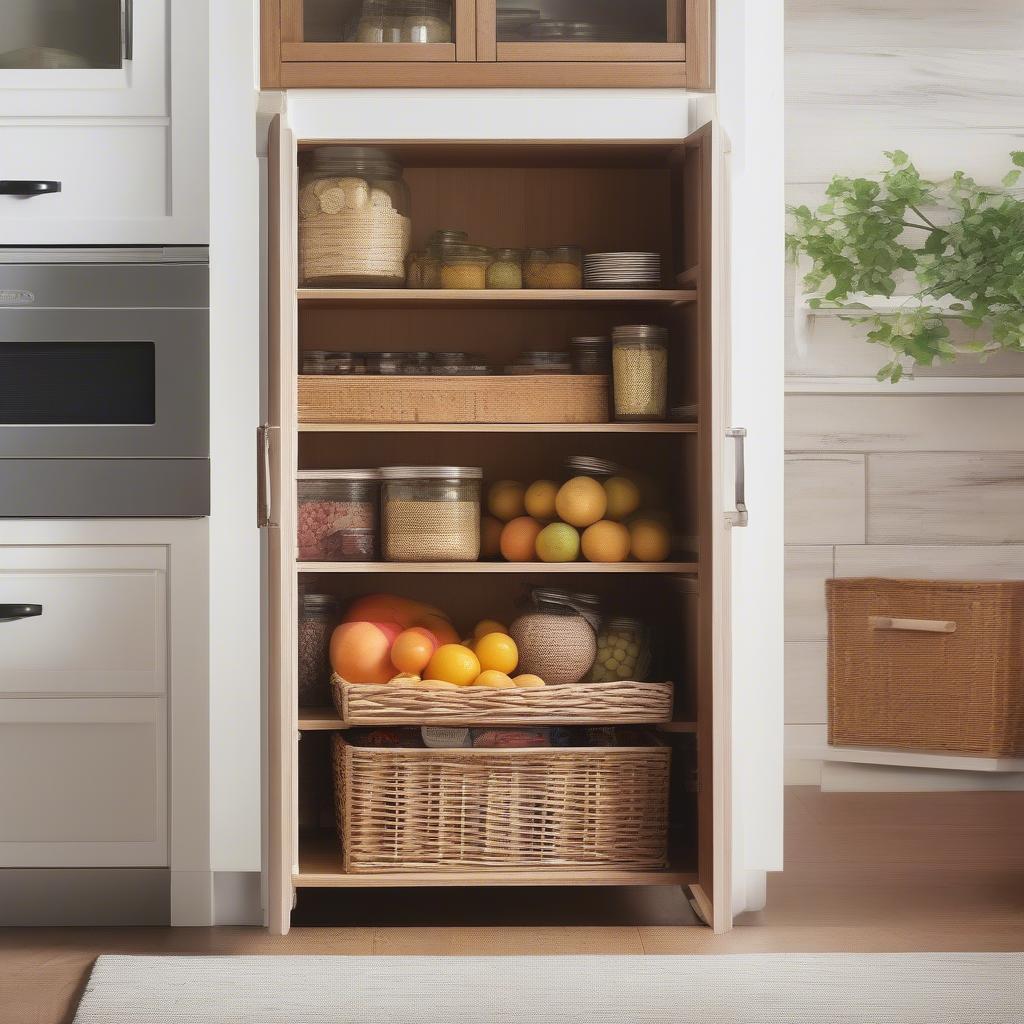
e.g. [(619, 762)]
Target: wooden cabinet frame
[(477, 60)]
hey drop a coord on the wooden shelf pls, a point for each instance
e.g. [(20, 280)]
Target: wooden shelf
[(320, 868), (499, 428), (525, 568), (376, 298)]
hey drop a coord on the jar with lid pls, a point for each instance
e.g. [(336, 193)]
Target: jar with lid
[(623, 651), (427, 21), (431, 513), (464, 266), (560, 267), (586, 465), (385, 364), (430, 264), (534, 361), (640, 371), (417, 364), (318, 615), (354, 225), (591, 355), (506, 269), (337, 515), (557, 635), (380, 21), (321, 363)]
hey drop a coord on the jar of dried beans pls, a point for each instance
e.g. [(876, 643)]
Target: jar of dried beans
[(640, 371), (465, 266), (337, 515), (318, 615), (560, 267), (431, 513)]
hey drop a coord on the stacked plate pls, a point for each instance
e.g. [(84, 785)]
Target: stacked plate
[(622, 270)]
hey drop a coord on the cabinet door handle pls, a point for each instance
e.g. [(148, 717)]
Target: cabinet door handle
[(741, 516), (129, 29), (9, 612), (263, 479), (912, 625), (27, 189)]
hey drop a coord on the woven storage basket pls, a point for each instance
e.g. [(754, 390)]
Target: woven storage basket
[(555, 398), (406, 809), (926, 665), (618, 703)]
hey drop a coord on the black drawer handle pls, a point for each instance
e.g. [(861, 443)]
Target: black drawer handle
[(8, 612), (28, 188)]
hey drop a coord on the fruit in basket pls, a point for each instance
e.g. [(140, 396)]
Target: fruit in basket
[(540, 500), (493, 678), (518, 539), (605, 541), (413, 649), (505, 500), (390, 608), (581, 501), (434, 684), (558, 542), (528, 682), (490, 537), (497, 651), (405, 679), (623, 497), (443, 630), (485, 626), (454, 664), (650, 541), (361, 651)]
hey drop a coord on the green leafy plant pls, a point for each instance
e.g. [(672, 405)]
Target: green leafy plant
[(966, 252)]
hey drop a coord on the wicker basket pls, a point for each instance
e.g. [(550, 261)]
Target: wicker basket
[(410, 809), (555, 398), (926, 665), (618, 703)]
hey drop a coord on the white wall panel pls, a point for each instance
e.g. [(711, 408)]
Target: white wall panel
[(806, 682), (932, 562), (824, 499), (807, 568)]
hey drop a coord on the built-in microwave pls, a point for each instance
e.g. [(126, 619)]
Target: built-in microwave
[(104, 382)]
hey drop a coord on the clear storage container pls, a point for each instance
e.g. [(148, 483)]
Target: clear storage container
[(318, 615), (506, 269), (322, 363), (437, 243), (464, 266), (623, 651), (354, 225), (640, 371), (337, 515), (560, 267), (431, 513), (591, 355), (557, 635)]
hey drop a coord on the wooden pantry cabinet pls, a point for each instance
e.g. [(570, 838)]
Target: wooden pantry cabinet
[(493, 43)]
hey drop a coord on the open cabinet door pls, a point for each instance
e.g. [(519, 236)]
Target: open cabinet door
[(278, 513)]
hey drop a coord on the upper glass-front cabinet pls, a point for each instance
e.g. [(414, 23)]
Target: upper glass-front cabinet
[(475, 43), (63, 34)]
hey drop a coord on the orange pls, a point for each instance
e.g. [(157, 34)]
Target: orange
[(442, 629), (581, 501), (496, 680), (361, 651), (518, 539), (505, 500), (412, 649), (623, 497), (650, 541), (540, 500), (490, 537), (606, 541), (485, 626), (453, 663), (497, 651)]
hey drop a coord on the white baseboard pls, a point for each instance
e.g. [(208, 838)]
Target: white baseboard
[(841, 777), (237, 898), (84, 897)]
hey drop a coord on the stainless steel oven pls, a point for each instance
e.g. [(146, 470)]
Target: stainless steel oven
[(104, 382)]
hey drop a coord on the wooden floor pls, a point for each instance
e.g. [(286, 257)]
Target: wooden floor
[(864, 872)]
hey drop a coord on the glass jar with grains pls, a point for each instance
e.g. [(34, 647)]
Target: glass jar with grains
[(465, 266), (431, 513), (640, 371), (430, 263), (560, 267), (506, 269), (318, 615)]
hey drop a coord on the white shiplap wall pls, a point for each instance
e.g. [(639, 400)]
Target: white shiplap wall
[(896, 484)]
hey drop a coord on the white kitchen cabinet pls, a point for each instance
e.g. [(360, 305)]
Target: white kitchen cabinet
[(101, 627), (83, 782), (124, 133)]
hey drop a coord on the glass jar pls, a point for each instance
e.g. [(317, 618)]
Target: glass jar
[(417, 364), (385, 364), (431, 513), (591, 355), (354, 225), (506, 269), (464, 266), (380, 21), (623, 651), (585, 465), (432, 254), (560, 267), (427, 21), (337, 515), (557, 635), (320, 363), (640, 371), (414, 270), (318, 615)]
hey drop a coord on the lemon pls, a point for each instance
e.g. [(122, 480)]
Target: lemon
[(623, 497), (606, 541), (505, 500), (540, 500), (528, 682), (581, 502), (453, 663), (494, 679), (497, 651)]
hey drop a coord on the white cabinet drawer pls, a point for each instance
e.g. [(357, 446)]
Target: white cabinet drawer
[(103, 627), (83, 783)]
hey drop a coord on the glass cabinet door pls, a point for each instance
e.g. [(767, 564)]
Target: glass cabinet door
[(51, 35)]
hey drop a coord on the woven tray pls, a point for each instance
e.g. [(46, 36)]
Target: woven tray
[(618, 703), (402, 809), (555, 398)]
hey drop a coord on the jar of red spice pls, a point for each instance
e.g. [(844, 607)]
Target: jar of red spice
[(337, 515)]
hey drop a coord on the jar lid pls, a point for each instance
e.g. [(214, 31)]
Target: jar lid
[(588, 340), (569, 252), (590, 466), (448, 235), (328, 602), (507, 254), (338, 474), (466, 251), (431, 473), (624, 622), (649, 332), (351, 159), (451, 358), (592, 600), (545, 357)]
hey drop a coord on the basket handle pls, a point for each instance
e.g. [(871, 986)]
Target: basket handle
[(912, 625)]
